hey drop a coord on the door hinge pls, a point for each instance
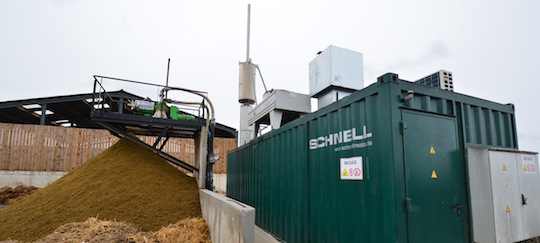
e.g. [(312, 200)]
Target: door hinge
[(402, 127), (407, 204)]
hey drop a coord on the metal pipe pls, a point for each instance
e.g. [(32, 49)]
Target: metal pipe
[(248, 29), (121, 106), (168, 66), (210, 157), (203, 95), (260, 74), (94, 94), (43, 114), (167, 82)]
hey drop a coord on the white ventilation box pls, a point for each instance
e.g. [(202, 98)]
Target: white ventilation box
[(335, 73)]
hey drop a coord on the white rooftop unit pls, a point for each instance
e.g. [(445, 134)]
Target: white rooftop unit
[(335, 73)]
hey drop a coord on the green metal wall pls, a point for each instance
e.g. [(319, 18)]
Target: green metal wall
[(296, 188), (482, 122), (277, 164)]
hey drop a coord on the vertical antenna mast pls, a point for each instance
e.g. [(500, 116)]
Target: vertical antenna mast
[(248, 28)]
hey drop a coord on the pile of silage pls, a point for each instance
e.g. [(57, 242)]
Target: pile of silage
[(94, 230), (10, 195), (125, 183)]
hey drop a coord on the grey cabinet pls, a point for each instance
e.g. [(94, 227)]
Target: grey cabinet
[(504, 188)]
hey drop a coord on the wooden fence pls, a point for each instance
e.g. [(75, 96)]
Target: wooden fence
[(50, 148)]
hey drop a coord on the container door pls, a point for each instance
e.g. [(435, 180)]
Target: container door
[(529, 180), (434, 179), (506, 196)]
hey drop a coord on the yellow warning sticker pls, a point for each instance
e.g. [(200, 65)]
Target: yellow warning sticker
[(507, 208), (433, 175), (345, 173), (504, 167), (432, 150)]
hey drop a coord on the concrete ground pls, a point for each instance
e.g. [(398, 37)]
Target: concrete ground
[(262, 237)]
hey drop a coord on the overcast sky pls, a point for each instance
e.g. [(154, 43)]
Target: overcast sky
[(53, 47)]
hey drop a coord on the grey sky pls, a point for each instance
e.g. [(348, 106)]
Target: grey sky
[(54, 47)]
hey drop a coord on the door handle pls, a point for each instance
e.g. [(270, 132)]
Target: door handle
[(458, 209), (523, 200)]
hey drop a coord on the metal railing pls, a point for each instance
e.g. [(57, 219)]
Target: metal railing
[(105, 100)]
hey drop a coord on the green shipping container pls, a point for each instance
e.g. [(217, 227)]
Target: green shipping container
[(372, 167)]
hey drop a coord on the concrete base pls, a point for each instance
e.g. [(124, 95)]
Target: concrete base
[(262, 237), (228, 220), (29, 178)]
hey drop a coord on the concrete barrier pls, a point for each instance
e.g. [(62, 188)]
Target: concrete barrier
[(220, 182), (227, 219), (29, 178)]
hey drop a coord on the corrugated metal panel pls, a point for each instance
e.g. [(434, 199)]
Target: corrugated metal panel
[(297, 191), (274, 164), (483, 122), (349, 210)]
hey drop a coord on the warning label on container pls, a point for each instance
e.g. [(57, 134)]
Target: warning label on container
[(528, 165), (351, 168)]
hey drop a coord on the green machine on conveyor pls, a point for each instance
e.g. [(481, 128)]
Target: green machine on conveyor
[(158, 110)]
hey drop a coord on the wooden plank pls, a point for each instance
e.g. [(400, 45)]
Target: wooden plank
[(45, 150), (21, 149), (48, 148), (41, 151), (15, 149), (79, 147), (10, 149), (54, 150), (52, 136), (61, 158), (2, 147), (2, 163), (5, 147), (71, 158), (34, 147), (25, 148), (83, 141), (65, 146)]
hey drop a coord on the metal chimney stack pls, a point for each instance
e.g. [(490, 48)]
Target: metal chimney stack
[(246, 91)]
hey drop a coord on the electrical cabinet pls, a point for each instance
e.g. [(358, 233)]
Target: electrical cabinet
[(505, 200)]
